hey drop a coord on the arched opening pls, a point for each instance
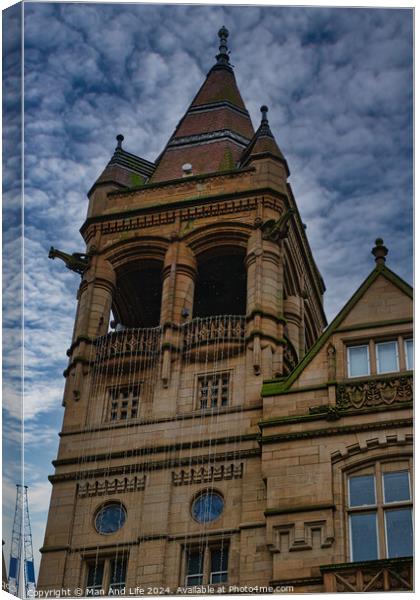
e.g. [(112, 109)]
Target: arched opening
[(138, 296), (220, 287)]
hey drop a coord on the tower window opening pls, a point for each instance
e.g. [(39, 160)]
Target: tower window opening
[(138, 296), (123, 403), (221, 286), (213, 391)]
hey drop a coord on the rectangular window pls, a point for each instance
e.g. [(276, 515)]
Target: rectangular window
[(399, 532), (219, 564), (195, 561), (364, 536), (117, 575), (123, 403), (358, 363), (387, 357), (408, 354), (207, 565), (213, 390), (379, 511), (95, 575)]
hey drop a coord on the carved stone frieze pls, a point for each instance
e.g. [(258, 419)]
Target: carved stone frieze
[(375, 392), (208, 474), (107, 487)]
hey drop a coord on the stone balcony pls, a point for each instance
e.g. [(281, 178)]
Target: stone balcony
[(388, 575), (206, 338)]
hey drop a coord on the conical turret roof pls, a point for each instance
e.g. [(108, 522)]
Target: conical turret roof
[(215, 130), (125, 169), (263, 144)]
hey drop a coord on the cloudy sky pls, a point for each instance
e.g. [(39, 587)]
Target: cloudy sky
[(338, 83)]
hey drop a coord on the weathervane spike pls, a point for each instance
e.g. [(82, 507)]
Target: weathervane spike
[(264, 111), (120, 139), (223, 56)]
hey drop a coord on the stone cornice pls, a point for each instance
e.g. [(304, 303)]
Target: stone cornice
[(137, 467), (325, 415), (339, 430), (297, 582), (197, 414), (384, 562), (149, 450), (155, 215), (271, 512)]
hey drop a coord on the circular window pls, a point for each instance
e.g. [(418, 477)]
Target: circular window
[(207, 507), (110, 518)]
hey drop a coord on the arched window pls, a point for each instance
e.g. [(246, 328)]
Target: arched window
[(220, 288), (138, 296), (378, 508)]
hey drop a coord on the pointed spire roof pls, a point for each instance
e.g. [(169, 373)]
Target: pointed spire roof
[(263, 144), (215, 130)]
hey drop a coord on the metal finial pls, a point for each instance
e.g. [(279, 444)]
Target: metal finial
[(379, 251), (120, 139), (264, 111), (223, 56)]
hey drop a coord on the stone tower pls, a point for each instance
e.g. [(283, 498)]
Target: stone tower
[(198, 282)]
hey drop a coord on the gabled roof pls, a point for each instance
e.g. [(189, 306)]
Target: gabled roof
[(274, 387), (263, 144), (216, 125)]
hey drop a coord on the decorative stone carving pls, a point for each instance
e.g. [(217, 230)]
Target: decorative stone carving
[(130, 341), (275, 231), (210, 329), (207, 474), (290, 357), (364, 394), (331, 354), (107, 487), (300, 536)]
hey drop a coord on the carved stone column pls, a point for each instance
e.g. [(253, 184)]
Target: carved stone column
[(95, 296), (179, 275)]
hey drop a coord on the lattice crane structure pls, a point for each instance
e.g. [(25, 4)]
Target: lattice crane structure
[(22, 546)]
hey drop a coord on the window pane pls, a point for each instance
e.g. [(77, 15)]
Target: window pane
[(387, 357), (220, 577), (194, 580), (118, 571), (219, 559), (399, 532), (358, 357), (396, 486), (194, 562), (364, 544), (362, 490), (95, 575), (409, 354)]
